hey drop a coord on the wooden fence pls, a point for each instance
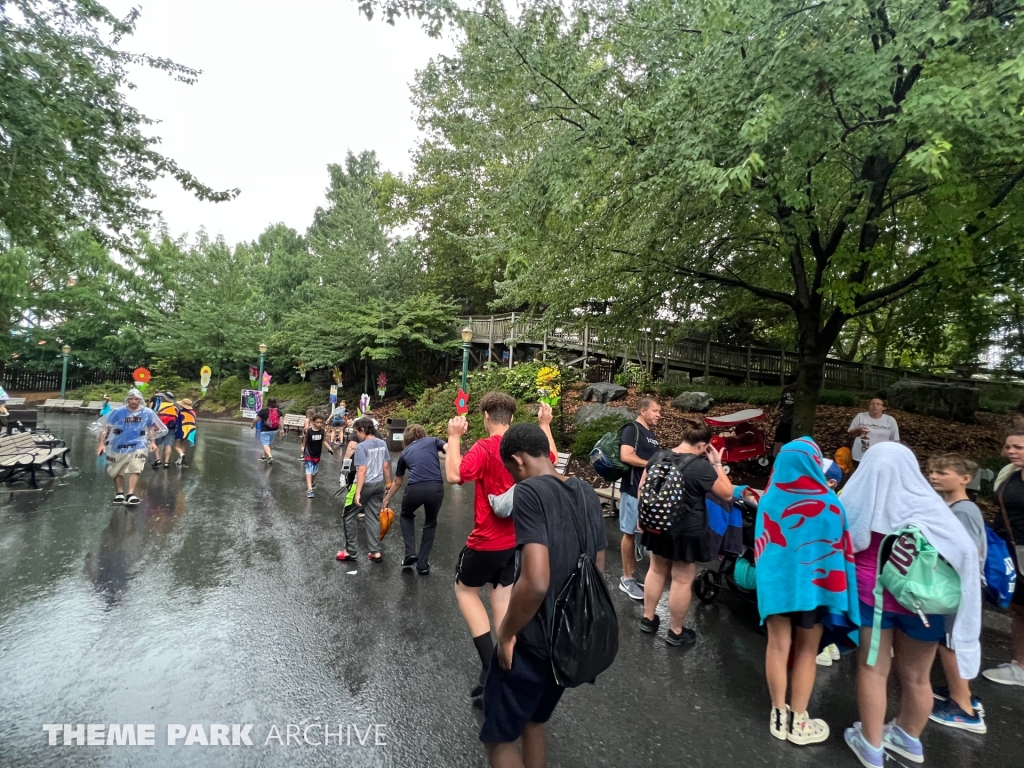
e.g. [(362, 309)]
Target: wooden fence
[(707, 358)]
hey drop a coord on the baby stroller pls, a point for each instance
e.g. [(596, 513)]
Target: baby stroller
[(739, 436), (735, 573)]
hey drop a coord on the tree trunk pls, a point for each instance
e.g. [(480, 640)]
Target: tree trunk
[(812, 349)]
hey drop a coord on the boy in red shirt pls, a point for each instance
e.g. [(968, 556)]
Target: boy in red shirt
[(489, 556)]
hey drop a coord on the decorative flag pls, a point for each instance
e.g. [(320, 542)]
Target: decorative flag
[(266, 381), (461, 403), (364, 404), (336, 375), (204, 377), (302, 371), (253, 373), (141, 377), (334, 393), (382, 385)]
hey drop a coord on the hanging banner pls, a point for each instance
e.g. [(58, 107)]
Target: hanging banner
[(334, 393), (252, 403), (141, 377), (204, 377), (253, 373), (266, 381), (382, 385)]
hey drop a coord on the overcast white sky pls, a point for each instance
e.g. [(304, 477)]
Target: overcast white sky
[(287, 87)]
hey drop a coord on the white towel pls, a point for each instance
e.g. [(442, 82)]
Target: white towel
[(888, 493)]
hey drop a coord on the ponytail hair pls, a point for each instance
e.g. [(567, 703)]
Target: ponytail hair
[(695, 432)]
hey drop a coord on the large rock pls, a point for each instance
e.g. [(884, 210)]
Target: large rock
[(710, 381), (931, 398), (602, 392), (592, 411), (693, 401)]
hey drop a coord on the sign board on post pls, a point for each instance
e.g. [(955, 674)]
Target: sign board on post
[(334, 393), (252, 403)]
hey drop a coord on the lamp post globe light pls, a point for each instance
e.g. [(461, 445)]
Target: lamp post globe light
[(467, 338), (263, 355), (66, 350)]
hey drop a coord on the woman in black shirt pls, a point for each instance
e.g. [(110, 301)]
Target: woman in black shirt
[(1010, 497)]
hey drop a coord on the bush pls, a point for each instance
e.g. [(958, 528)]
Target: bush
[(588, 434)]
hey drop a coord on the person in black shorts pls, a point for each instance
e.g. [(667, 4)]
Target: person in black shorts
[(520, 692), (784, 429)]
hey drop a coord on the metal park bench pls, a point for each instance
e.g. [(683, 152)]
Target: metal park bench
[(22, 454)]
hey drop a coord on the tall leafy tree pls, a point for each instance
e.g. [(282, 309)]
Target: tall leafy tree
[(74, 153), (827, 157)]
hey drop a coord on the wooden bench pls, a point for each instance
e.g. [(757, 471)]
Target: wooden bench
[(22, 454), (53, 404), (71, 406), (294, 421), (13, 401), (94, 406), (612, 496), (22, 419), (562, 464)]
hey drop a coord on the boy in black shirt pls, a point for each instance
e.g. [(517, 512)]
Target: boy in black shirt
[(520, 692), (312, 446)]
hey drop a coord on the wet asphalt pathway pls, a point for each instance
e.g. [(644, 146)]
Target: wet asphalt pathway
[(218, 600)]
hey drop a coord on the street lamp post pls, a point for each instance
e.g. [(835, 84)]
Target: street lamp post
[(263, 355), (64, 376), (467, 338)]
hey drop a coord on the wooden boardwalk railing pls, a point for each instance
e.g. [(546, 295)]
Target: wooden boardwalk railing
[(709, 358)]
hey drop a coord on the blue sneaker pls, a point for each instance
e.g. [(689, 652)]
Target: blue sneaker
[(942, 694), (948, 712), (902, 743), (870, 757)]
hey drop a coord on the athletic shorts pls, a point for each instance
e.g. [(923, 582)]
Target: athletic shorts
[(267, 436), (478, 567), (515, 697), (909, 624), (629, 513), (312, 467), (126, 463), (807, 619), (166, 440)]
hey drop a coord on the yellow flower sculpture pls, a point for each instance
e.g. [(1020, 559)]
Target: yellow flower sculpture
[(549, 385)]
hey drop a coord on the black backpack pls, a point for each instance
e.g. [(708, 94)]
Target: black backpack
[(662, 502), (583, 638)]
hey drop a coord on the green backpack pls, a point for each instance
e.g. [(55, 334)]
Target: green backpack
[(920, 579)]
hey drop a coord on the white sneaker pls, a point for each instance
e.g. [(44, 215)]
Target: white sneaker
[(807, 731), (823, 659), (833, 651), (779, 723), (1006, 674)]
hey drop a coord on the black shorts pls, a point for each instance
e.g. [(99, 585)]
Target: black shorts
[(681, 548), (514, 698), (478, 567), (784, 432), (807, 619)]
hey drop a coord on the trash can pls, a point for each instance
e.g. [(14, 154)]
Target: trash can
[(395, 429)]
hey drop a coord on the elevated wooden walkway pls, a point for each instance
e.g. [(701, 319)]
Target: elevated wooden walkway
[(694, 356)]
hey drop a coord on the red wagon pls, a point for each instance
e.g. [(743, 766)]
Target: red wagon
[(739, 436)]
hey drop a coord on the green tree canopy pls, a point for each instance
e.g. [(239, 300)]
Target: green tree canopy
[(827, 157)]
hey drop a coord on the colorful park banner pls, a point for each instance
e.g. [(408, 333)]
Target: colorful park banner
[(266, 381), (252, 403), (253, 373), (461, 403), (204, 377), (141, 377), (382, 385), (334, 393)]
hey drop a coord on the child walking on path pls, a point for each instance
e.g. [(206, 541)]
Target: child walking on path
[(955, 706), (312, 446)]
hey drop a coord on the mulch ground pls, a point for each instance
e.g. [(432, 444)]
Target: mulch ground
[(927, 436)]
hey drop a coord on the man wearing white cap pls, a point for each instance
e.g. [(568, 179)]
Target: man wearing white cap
[(129, 434)]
